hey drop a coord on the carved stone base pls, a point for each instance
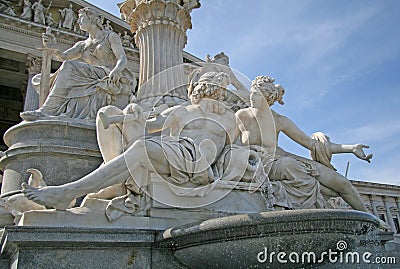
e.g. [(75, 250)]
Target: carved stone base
[(72, 248), (228, 242), (166, 210)]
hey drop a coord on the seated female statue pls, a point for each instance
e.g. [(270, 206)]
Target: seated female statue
[(93, 74)]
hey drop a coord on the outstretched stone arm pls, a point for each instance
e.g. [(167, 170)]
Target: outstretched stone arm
[(293, 132), (70, 54), (357, 150), (162, 121)]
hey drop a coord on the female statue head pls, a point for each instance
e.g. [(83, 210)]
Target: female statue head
[(270, 91), (88, 16)]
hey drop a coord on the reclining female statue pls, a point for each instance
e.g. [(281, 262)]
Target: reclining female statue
[(303, 182), (92, 75)]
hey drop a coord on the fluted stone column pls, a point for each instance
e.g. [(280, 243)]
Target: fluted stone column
[(389, 214), (160, 32), (33, 65), (373, 205)]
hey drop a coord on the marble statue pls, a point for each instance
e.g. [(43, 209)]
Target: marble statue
[(92, 75), (303, 180), (108, 26), (6, 8), (220, 63), (189, 5), (38, 15), (27, 11), (193, 153), (50, 20), (200, 137), (126, 40), (67, 17)]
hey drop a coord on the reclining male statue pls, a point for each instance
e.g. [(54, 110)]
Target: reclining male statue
[(198, 134)]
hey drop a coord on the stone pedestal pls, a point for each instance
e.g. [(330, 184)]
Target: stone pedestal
[(29, 248), (227, 242), (393, 248), (73, 248), (63, 151)]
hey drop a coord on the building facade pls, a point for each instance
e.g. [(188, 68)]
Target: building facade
[(382, 200)]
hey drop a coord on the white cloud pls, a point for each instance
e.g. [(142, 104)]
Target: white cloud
[(385, 130), (387, 173)]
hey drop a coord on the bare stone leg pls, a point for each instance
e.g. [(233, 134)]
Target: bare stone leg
[(346, 190), (52, 196), (333, 180), (140, 155), (108, 193), (112, 142), (328, 193)]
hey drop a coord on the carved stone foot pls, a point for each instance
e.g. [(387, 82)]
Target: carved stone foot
[(31, 115)]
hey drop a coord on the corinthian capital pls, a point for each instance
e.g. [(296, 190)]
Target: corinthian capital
[(33, 64), (142, 13)]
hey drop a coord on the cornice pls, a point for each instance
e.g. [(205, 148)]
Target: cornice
[(35, 30)]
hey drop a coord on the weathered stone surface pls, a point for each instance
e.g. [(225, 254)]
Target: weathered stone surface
[(78, 248), (84, 218), (4, 262), (58, 148), (392, 248)]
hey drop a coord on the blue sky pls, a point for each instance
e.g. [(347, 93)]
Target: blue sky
[(337, 60)]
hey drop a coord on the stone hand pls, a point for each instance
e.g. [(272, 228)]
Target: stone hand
[(358, 151), (114, 76), (157, 110), (49, 41), (133, 112)]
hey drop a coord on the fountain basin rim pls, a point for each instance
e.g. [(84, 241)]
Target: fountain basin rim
[(265, 223)]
